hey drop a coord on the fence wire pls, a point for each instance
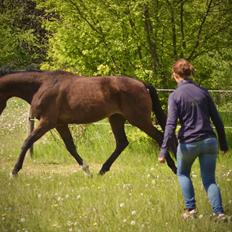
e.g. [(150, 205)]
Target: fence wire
[(222, 99)]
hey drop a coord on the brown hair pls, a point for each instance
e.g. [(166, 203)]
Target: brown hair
[(183, 68)]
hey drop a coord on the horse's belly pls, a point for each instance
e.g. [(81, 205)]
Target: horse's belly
[(87, 114)]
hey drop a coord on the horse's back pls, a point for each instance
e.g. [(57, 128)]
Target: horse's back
[(110, 95), (104, 88), (115, 84)]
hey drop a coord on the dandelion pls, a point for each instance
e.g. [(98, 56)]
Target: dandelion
[(133, 212), (55, 225), (121, 205), (22, 220), (200, 216), (132, 223), (78, 197), (124, 220)]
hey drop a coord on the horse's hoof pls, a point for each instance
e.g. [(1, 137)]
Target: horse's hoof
[(13, 174), (101, 172), (85, 168)]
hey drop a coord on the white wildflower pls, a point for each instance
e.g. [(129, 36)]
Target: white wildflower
[(133, 212), (132, 223), (121, 205)]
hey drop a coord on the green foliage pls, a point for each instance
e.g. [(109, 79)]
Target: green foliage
[(137, 38), (213, 70), (21, 36)]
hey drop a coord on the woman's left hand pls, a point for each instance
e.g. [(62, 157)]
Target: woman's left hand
[(161, 159)]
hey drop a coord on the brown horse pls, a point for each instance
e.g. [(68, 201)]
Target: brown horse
[(60, 98)]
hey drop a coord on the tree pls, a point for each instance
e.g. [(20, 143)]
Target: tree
[(22, 37), (139, 38)]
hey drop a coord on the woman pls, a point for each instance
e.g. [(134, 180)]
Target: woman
[(194, 108)]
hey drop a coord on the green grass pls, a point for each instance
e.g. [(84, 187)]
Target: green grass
[(51, 193)]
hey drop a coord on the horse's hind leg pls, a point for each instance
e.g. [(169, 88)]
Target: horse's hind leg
[(68, 141), (42, 128), (157, 135), (117, 125)]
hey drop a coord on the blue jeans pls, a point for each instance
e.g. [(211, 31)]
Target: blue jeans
[(206, 150)]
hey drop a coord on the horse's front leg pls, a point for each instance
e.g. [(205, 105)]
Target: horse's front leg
[(42, 128), (68, 141)]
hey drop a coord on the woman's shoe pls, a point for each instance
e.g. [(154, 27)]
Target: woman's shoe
[(189, 214)]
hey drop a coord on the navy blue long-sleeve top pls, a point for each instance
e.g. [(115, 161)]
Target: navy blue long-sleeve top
[(194, 108)]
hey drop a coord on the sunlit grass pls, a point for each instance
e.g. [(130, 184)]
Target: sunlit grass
[(53, 194)]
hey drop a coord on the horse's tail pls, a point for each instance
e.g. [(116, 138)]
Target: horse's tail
[(156, 106)]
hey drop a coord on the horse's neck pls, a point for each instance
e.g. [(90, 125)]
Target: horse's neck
[(19, 86)]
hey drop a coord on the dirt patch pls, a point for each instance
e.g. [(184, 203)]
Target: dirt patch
[(35, 168)]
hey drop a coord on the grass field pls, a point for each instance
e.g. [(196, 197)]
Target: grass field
[(51, 193)]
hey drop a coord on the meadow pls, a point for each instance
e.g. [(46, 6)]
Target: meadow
[(52, 193)]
